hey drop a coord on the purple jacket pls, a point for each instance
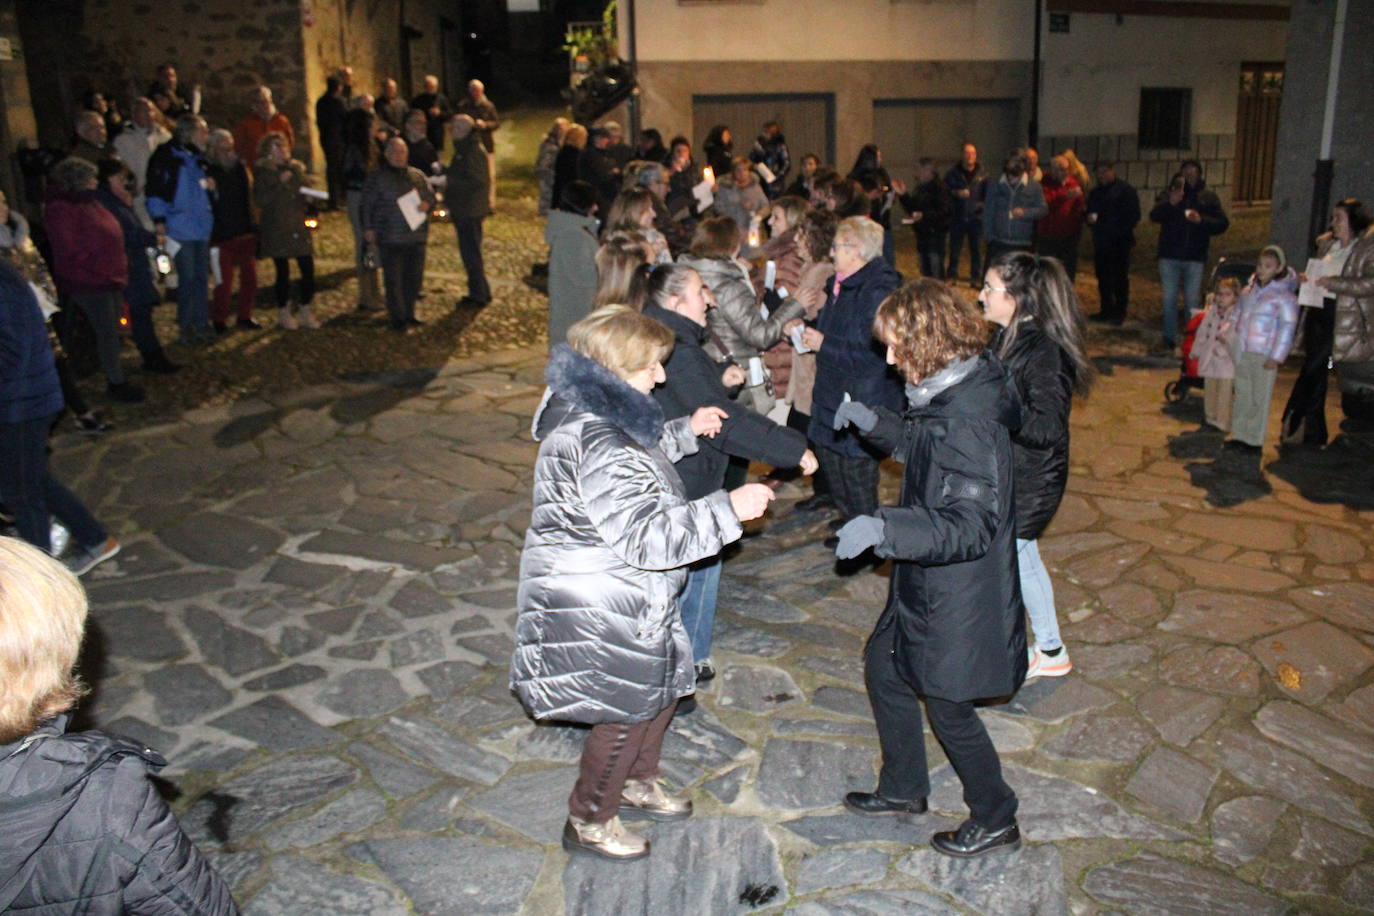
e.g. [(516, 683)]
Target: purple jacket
[(1267, 316)]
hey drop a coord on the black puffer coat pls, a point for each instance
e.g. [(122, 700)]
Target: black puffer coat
[(1044, 376), (86, 832), (955, 595), (694, 381)]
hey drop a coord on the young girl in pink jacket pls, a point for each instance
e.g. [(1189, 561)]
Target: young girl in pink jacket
[(1212, 350)]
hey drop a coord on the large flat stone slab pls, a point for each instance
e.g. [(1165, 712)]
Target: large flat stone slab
[(396, 776), (1253, 533), (182, 693), (745, 640), (135, 632), (1178, 714), (1227, 617), (1229, 575), (834, 868), (171, 587), (1345, 604), (895, 902), (1053, 808), (434, 744), (1057, 699), (1219, 669), (346, 814), (1030, 880), (1149, 883), (212, 539), (1241, 827), (275, 724), (363, 692), (413, 555), (1174, 783), (811, 774), (1329, 743), (739, 597), (698, 744), (534, 803), (720, 866), (301, 886), (235, 810), (443, 876), (1290, 776), (1310, 661), (1115, 738), (234, 649), (758, 688), (846, 829)]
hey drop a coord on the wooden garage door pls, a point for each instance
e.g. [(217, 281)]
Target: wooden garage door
[(807, 119), (908, 129)]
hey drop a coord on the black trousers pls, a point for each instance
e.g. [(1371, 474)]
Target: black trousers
[(1113, 265), (852, 482), (973, 231), (334, 176), (282, 286), (470, 250), (932, 256), (403, 271), (1304, 416), (33, 494), (897, 711)]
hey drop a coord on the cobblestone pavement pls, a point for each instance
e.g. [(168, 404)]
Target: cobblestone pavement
[(312, 618)]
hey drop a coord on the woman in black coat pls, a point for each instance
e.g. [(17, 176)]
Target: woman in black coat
[(953, 630), (677, 298), (1040, 341), (850, 362)]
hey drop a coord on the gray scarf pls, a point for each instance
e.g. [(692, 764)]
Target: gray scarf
[(924, 391)]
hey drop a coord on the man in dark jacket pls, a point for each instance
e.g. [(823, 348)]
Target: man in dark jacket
[(928, 207), (770, 150), (596, 167), (1112, 212), (1189, 214), (85, 828), (967, 183), (467, 196), (437, 109), (30, 399), (330, 111), (233, 234)]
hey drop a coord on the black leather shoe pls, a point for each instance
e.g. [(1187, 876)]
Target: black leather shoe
[(972, 840), (873, 804)]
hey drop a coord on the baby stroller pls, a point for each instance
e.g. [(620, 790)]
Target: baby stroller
[(1188, 379)]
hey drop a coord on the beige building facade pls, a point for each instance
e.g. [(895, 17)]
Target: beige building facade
[(919, 78)]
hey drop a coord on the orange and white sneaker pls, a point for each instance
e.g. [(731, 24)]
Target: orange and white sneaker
[(1042, 665)]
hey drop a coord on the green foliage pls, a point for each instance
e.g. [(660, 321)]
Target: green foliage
[(598, 45)]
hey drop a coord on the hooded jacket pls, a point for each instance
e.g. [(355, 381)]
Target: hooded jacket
[(955, 596), (86, 832), (598, 637), (176, 191), (694, 381), (1044, 379), (1267, 316)]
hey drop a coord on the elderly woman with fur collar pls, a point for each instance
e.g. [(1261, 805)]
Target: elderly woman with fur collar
[(598, 638)]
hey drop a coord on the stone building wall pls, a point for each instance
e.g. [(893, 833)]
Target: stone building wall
[(225, 46)]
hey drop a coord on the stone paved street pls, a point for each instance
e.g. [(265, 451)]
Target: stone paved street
[(312, 618)]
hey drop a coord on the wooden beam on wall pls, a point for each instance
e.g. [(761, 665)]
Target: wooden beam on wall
[(1187, 9)]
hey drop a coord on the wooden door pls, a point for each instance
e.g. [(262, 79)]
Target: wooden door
[(1257, 130), (807, 121), (908, 129)]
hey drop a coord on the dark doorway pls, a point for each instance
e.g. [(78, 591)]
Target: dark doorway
[(451, 68), (807, 119), (1257, 130)]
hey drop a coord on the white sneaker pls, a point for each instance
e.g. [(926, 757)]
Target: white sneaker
[(305, 319), (1042, 665), (86, 558), (285, 320)]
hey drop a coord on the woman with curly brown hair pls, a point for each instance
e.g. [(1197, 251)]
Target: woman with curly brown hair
[(953, 631)]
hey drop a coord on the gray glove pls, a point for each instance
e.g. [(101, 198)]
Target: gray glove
[(855, 412), (858, 534)]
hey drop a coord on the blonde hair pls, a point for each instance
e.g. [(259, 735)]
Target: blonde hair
[(42, 618), (928, 326), (576, 136), (621, 339), (617, 261), (715, 237), (862, 232), (627, 208)]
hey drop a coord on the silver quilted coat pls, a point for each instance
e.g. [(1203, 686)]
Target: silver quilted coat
[(599, 637)]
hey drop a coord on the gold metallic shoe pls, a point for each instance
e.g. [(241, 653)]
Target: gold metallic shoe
[(609, 840), (648, 798)]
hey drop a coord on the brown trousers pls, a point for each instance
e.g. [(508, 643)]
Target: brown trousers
[(615, 752)]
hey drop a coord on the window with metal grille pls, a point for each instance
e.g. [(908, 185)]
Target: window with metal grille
[(1165, 119)]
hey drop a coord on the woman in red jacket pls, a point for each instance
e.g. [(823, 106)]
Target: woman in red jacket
[(89, 264)]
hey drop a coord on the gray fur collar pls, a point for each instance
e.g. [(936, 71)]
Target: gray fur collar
[(586, 385)]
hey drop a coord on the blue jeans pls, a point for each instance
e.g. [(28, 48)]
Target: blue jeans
[(698, 604), (33, 494), (1173, 276), (193, 290), (1038, 594)]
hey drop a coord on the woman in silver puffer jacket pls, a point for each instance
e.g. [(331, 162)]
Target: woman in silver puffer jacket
[(598, 638)]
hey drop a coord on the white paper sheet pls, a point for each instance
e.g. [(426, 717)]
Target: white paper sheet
[(216, 277), (1310, 294), (312, 192), (409, 202), (765, 173), (703, 195)]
